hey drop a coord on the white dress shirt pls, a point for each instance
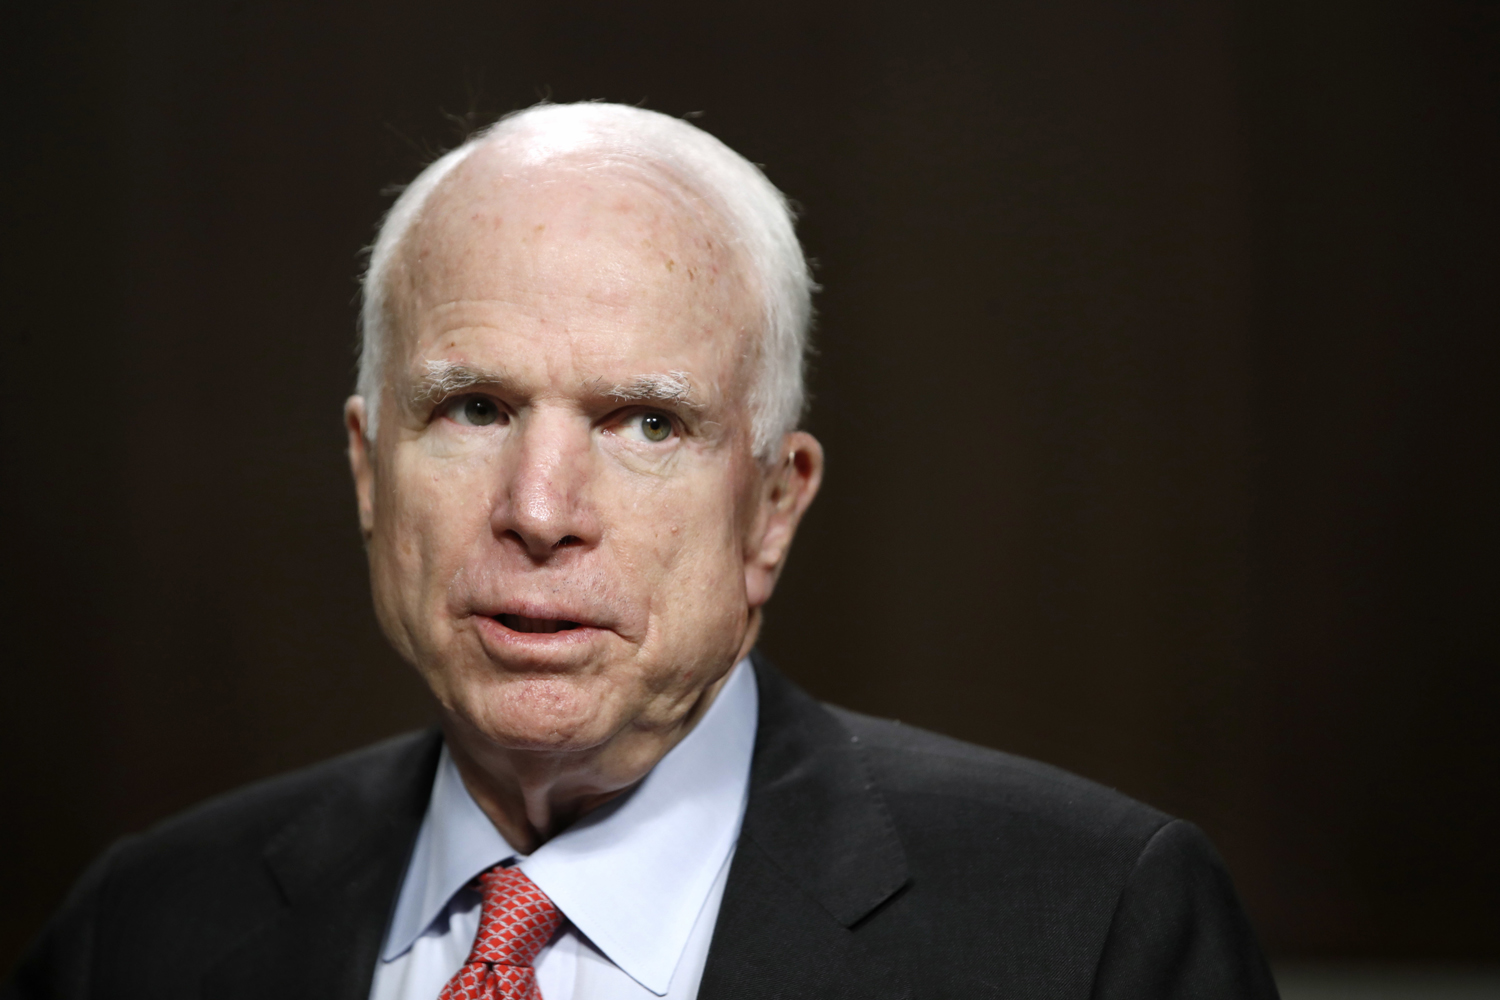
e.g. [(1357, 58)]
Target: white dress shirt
[(637, 880)]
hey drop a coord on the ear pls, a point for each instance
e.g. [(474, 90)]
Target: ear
[(787, 491), (361, 461)]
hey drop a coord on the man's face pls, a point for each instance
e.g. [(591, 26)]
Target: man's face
[(567, 530)]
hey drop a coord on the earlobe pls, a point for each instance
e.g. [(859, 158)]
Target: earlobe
[(361, 462)]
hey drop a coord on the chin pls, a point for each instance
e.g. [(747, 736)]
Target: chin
[(546, 713)]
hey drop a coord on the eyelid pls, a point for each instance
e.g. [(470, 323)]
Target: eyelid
[(634, 410)]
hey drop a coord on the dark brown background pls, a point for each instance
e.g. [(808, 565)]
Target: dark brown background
[(1157, 358)]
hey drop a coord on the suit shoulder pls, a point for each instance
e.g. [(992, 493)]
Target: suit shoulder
[(246, 820), (915, 764), (363, 776), (159, 907), (1089, 892)]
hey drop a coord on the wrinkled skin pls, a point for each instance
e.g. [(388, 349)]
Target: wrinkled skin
[(539, 497)]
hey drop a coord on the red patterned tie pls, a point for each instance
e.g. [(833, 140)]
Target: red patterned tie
[(515, 920)]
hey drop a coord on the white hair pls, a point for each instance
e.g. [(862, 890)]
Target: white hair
[(759, 219)]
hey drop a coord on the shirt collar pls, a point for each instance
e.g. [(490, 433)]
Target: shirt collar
[(652, 854)]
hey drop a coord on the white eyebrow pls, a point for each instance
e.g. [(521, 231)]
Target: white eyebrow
[(443, 378), (657, 387)]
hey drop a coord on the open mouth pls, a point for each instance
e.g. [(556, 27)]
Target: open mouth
[(520, 623)]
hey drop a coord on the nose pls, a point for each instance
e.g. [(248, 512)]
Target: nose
[(544, 506)]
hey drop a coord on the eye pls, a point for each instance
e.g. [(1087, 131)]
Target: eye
[(475, 411), (654, 427)]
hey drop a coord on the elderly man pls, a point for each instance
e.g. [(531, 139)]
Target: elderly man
[(578, 471)]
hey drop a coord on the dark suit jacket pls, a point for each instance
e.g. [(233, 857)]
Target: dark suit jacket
[(876, 860)]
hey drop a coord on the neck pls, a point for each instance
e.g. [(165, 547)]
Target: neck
[(532, 796)]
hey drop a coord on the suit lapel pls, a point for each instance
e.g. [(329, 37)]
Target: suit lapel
[(817, 854), (339, 866)]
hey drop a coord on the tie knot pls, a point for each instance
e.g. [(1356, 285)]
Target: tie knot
[(516, 919)]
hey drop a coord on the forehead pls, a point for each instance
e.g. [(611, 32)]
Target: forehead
[(605, 249)]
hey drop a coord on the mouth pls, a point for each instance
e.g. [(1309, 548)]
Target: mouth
[(544, 635), (545, 626)]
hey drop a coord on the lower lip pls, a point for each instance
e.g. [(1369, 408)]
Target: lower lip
[(508, 640)]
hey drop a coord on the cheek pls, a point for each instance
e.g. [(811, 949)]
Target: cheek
[(435, 517), (693, 555)]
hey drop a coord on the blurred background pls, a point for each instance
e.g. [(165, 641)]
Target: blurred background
[(1156, 367)]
